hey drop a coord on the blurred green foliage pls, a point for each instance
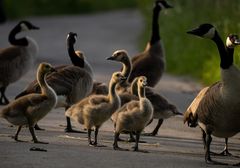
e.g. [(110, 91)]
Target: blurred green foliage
[(185, 54), (22, 8)]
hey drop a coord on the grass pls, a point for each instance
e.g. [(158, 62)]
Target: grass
[(189, 55), (186, 54)]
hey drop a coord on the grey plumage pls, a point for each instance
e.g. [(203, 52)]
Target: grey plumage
[(17, 60)]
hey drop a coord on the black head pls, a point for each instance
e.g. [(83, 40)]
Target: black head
[(26, 25), (192, 121), (162, 4), (204, 30), (71, 37), (232, 40)]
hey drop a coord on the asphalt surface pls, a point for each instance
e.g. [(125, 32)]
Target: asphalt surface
[(99, 35)]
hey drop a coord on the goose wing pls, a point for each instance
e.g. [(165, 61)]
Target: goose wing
[(98, 99), (128, 107), (158, 101), (61, 81), (209, 103), (9, 54), (204, 104), (127, 97)]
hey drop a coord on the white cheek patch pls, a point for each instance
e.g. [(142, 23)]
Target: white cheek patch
[(210, 34), (229, 43), (23, 27)]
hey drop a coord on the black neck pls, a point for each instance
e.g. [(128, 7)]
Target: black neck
[(230, 52), (155, 28), (225, 60), (12, 38), (76, 60)]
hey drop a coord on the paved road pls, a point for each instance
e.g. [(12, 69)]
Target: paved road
[(98, 36)]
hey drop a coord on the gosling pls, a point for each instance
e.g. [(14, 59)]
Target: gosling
[(29, 109), (94, 110), (134, 115)]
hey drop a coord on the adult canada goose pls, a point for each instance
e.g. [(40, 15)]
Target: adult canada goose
[(94, 110), (15, 61), (162, 108), (134, 115), (151, 62), (216, 108), (31, 108), (71, 83)]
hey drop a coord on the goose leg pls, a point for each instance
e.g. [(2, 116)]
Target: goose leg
[(35, 140), (131, 137), (225, 151), (36, 127), (69, 126), (115, 143), (204, 138), (3, 98), (96, 134), (208, 159), (135, 148), (89, 131), (15, 137), (155, 131)]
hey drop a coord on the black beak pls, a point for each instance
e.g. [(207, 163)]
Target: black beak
[(237, 42), (110, 58), (35, 27), (194, 32)]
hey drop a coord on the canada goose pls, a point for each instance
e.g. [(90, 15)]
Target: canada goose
[(77, 59), (151, 62), (17, 59), (71, 83), (162, 108), (29, 109), (134, 115), (216, 108), (94, 110)]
